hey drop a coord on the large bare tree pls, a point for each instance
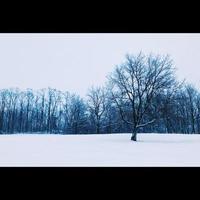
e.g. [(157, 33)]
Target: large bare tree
[(136, 82)]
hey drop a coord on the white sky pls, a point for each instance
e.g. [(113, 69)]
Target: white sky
[(74, 62)]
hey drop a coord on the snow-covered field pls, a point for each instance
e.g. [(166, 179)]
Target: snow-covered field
[(99, 150)]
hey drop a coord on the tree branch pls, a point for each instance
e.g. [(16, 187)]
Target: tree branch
[(145, 124)]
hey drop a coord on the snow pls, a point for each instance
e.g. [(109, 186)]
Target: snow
[(99, 150)]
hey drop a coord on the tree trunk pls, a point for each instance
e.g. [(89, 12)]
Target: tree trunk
[(98, 129), (134, 135), (1, 120), (193, 125)]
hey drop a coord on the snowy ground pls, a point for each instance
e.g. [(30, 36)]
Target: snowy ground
[(99, 150)]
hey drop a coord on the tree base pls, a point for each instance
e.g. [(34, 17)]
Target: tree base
[(133, 138)]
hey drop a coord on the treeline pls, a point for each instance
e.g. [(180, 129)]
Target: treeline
[(141, 95), (177, 113), (52, 111)]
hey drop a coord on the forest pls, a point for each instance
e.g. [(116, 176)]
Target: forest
[(141, 95)]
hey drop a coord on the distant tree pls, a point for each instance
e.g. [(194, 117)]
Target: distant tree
[(13, 95), (54, 98), (3, 97), (21, 118), (74, 113), (96, 105), (198, 113), (111, 121), (191, 93)]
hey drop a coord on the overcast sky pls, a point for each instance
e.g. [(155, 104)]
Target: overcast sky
[(74, 62)]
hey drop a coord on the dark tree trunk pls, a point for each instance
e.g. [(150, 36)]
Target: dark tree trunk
[(193, 125), (1, 120), (76, 128), (49, 119), (97, 125), (98, 129), (134, 135)]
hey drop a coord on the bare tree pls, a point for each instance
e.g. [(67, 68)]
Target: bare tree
[(54, 98), (42, 110), (192, 109), (29, 96), (136, 82), (3, 95), (74, 113), (96, 105), (198, 113), (13, 95), (21, 112)]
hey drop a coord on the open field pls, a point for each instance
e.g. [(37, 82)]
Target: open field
[(99, 150)]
